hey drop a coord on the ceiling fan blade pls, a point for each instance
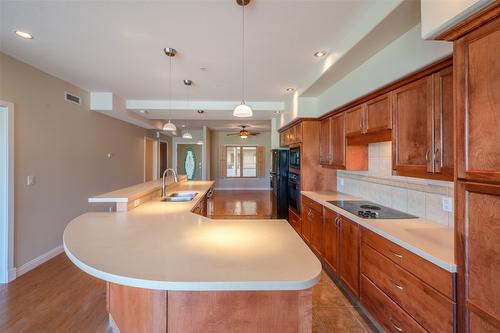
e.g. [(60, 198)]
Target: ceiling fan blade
[(254, 133), (233, 134)]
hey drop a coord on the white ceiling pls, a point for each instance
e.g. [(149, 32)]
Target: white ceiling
[(117, 46), (226, 125)]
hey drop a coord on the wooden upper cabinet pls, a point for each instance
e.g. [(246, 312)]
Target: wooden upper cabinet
[(477, 66), (443, 162), (412, 113), (378, 114), (325, 142), (338, 140), (298, 133), (354, 120), (349, 254), (291, 135)]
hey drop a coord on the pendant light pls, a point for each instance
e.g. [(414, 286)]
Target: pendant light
[(186, 134), (169, 126), (243, 110)]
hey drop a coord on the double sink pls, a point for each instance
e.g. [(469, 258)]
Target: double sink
[(180, 197)]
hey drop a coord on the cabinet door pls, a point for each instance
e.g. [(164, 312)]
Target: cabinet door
[(411, 134), (378, 114), (349, 254), (477, 70), (283, 139), (291, 135), (330, 240), (355, 120), (478, 255), (298, 133), (316, 221), (338, 141), (306, 224), (325, 142), (443, 123)]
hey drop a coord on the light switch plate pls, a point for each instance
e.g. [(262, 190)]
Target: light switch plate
[(30, 180), (447, 204)]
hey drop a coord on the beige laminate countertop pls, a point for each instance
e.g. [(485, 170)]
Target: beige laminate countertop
[(163, 245), (430, 240)]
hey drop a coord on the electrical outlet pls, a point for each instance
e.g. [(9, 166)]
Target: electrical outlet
[(137, 202), (447, 204), (30, 180)]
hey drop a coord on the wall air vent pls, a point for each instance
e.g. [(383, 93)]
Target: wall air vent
[(72, 98)]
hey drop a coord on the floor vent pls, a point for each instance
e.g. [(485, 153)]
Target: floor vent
[(72, 98)]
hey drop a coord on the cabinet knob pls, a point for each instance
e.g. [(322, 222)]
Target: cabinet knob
[(427, 154), (399, 329), (361, 124)]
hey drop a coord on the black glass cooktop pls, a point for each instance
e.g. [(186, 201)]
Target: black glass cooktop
[(370, 210)]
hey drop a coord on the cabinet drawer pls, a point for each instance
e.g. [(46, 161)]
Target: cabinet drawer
[(428, 272), (295, 221), (388, 314), (308, 203), (429, 308)]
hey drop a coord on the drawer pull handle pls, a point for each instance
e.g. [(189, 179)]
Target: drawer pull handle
[(399, 329), (400, 256), (397, 285)]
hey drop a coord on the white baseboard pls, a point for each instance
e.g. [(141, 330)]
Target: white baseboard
[(12, 274), (242, 189), (38, 260)]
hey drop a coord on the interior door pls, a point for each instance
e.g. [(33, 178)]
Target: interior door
[(162, 157), (184, 153)]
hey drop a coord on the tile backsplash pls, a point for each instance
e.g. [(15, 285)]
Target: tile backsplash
[(420, 197)]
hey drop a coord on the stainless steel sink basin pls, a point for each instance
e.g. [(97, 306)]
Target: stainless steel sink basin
[(180, 197)]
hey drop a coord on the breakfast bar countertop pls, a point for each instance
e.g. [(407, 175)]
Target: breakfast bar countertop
[(164, 246)]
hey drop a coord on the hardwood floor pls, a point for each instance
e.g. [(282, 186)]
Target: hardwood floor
[(57, 297), (242, 205)]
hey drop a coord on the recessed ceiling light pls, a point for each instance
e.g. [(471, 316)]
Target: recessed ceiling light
[(188, 82), (320, 54), (277, 112), (24, 34), (203, 68), (290, 89)]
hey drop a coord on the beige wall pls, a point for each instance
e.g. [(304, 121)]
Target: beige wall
[(220, 138), (64, 146)]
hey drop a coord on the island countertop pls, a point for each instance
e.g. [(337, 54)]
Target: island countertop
[(164, 246)]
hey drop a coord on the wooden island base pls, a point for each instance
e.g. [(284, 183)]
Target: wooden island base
[(144, 310)]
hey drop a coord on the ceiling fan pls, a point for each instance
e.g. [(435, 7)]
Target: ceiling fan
[(243, 133)]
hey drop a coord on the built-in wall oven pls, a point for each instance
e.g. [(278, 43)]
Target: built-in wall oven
[(294, 191), (294, 158)]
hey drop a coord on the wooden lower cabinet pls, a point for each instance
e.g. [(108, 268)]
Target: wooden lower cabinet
[(331, 240), (312, 230), (349, 254), (160, 311), (387, 313), (294, 220)]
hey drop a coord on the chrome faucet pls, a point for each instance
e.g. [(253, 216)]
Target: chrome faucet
[(176, 180)]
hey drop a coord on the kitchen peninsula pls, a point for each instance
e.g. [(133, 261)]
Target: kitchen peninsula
[(168, 269)]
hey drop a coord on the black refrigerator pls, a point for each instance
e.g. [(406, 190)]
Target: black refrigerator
[(279, 181)]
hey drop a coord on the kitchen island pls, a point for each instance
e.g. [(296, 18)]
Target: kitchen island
[(170, 270)]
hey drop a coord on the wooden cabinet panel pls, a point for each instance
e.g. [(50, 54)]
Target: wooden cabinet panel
[(412, 112), (295, 221), (478, 228), (477, 82), (298, 133), (283, 142), (331, 240), (428, 307), (388, 314), (338, 141), (315, 220), (378, 114), (325, 142), (349, 254), (354, 120), (312, 204), (291, 135), (443, 123), (433, 275)]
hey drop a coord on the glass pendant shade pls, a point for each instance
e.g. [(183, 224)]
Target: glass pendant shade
[(170, 127), (187, 135), (242, 111)]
